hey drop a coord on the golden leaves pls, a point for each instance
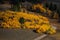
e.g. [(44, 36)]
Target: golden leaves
[(37, 22)]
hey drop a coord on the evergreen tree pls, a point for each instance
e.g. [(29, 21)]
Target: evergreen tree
[(46, 5), (51, 6), (54, 7), (1, 1), (58, 11), (15, 5)]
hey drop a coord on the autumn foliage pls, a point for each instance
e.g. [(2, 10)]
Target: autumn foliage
[(10, 19)]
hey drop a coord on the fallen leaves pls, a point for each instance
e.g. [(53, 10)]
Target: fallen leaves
[(14, 20)]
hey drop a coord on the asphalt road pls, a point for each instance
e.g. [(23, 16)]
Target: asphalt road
[(11, 34), (24, 34)]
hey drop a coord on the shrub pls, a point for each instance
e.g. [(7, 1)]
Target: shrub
[(22, 20)]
